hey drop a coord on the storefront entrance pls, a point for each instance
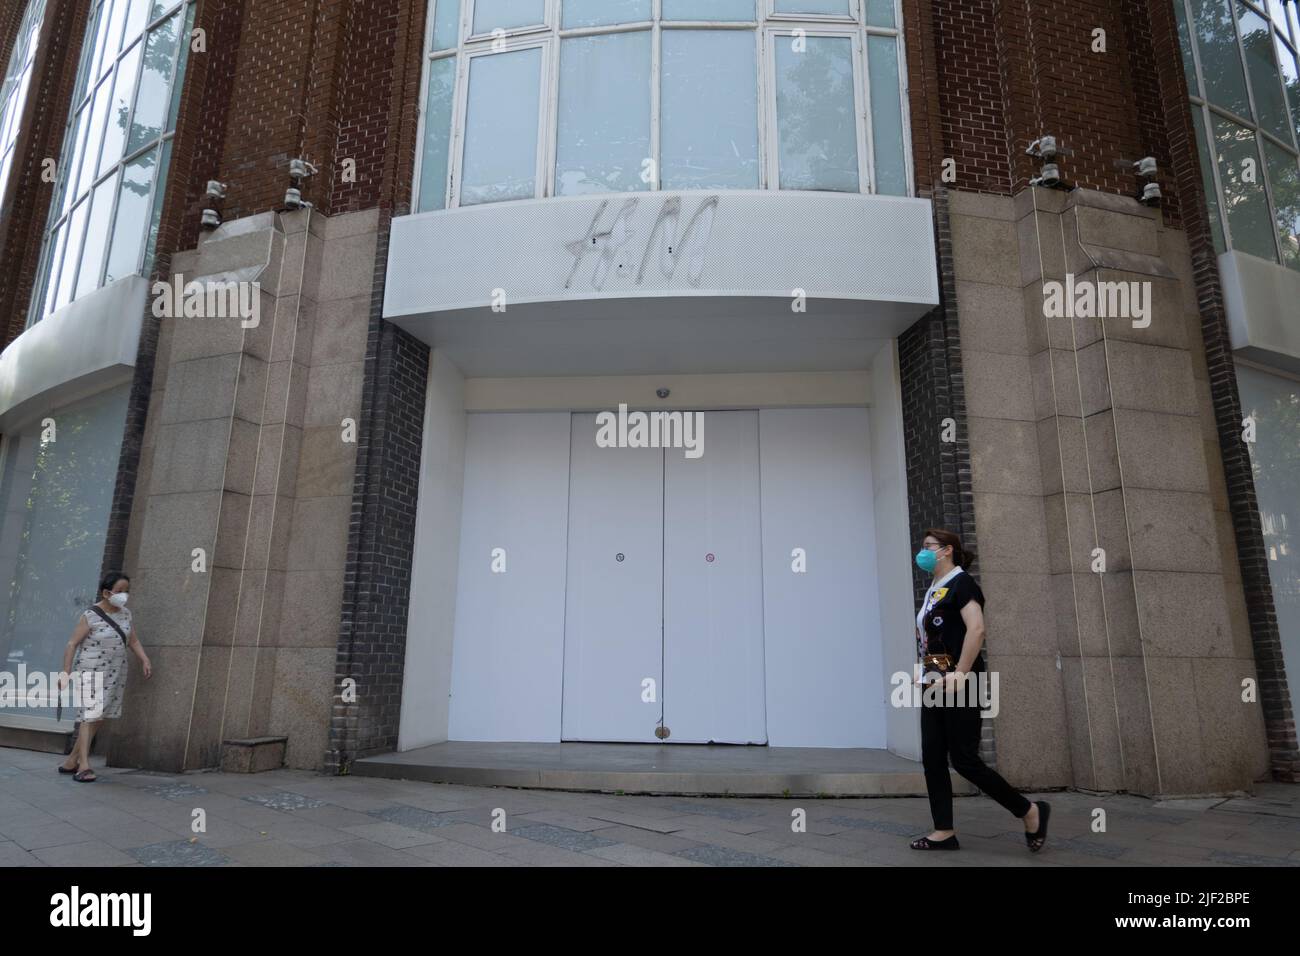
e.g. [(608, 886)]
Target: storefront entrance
[(644, 594)]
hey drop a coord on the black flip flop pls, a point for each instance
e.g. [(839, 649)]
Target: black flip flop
[(925, 843), (80, 776), (63, 769), (1036, 839)]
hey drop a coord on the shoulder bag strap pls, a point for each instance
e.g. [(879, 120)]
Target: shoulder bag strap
[(110, 622)]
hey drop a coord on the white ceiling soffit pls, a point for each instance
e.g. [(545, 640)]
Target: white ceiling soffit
[(85, 346), (692, 281)]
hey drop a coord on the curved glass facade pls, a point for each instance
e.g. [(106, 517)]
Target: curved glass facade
[(1244, 80), (531, 98), (104, 217), (17, 77)]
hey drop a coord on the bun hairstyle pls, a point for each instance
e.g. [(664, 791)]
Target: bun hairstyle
[(959, 554), (109, 581)]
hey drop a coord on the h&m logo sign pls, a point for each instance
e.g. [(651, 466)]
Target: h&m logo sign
[(614, 246)]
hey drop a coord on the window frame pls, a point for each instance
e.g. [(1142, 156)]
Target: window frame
[(63, 203), (861, 97), (856, 14), (766, 24), (550, 16), (455, 172), (1262, 136)]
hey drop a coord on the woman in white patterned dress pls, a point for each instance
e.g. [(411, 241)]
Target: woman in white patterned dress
[(100, 641)]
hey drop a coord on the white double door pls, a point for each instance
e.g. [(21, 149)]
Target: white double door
[(663, 632)]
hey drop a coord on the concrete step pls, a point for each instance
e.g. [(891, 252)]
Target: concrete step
[(660, 769)]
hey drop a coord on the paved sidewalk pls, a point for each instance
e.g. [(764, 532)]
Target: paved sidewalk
[(296, 818)]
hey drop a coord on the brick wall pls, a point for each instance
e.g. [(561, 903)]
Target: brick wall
[(938, 472), (994, 75), (381, 537)]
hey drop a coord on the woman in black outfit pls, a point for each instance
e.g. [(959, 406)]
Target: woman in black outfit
[(950, 633)]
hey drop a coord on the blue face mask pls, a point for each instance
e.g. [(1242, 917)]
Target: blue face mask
[(926, 560)]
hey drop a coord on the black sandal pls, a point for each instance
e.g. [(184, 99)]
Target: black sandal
[(63, 769), (1036, 839), (85, 776), (925, 843)]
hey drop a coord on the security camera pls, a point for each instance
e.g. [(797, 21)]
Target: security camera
[(1044, 147), (662, 392), (300, 168), (216, 190), (1051, 175), (293, 198), (211, 219), (1151, 194), (1146, 166)]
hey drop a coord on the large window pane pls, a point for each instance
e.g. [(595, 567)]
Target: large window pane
[(1291, 82), (67, 188), (1274, 403), (16, 83), (437, 134), (178, 79), (507, 14), (72, 255), (55, 499), (91, 48), (832, 7), (501, 127), (709, 9), (92, 252), (132, 214), (1284, 182), (152, 97), (1242, 178), (94, 137), (593, 13), (817, 138), (137, 18), (709, 98), (446, 24), (119, 110), (1206, 152), (109, 43), (1216, 38), (880, 13), (1265, 81), (58, 239), (604, 121), (887, 116), (159, 191)]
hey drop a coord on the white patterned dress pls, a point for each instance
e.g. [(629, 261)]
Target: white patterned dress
[(103, 652)]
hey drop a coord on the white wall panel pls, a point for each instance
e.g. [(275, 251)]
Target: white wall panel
[(821, 628), (509, 644), (613, 613), (713, 609)]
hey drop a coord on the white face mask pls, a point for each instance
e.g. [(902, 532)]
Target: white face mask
[(118, 600)]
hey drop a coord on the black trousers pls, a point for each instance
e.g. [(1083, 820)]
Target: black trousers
[(954, 733)]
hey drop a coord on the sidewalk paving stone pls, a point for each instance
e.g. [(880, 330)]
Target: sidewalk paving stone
[(295, 817)]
